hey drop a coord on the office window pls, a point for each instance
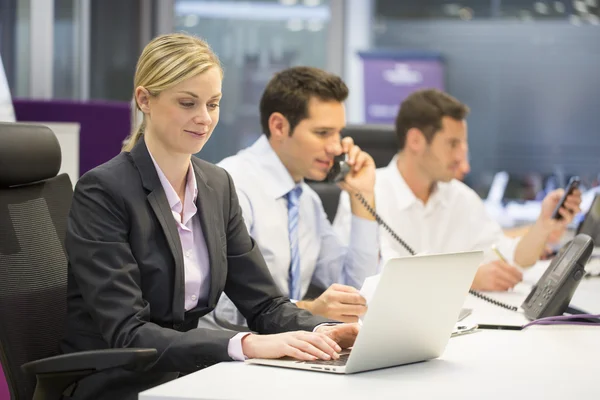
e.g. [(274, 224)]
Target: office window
[(530, 78), (114, 49), (431, 9), (254, 39), (66, 71), (14, 44), (586, 11)]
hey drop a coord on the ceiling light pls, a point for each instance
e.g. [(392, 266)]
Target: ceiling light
[(312, 3), (466, 14), (315, 25), (295, 25), (540, 7), (593, 19), (580, 6), (190, 20), (575, 20)]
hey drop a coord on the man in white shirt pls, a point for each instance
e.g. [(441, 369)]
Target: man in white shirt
[(418, 197), (302, 114)]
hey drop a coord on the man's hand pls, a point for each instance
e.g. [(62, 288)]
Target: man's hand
[(307, 346), (343, 334), (547, 229), (556, 234), (548, 253), (339, 302), (567, 211), (361, 177), (496, 276)]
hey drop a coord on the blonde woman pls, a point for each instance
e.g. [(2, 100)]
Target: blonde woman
[(156, 235)]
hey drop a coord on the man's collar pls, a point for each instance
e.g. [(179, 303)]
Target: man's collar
[(404, 194), (275, 175)]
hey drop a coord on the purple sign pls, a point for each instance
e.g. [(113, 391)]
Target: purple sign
[(390, 77)]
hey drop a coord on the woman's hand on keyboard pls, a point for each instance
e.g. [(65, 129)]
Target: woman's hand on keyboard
[(306, 346)]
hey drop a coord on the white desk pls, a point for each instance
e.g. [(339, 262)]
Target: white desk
[(543, 362), (538, 363)]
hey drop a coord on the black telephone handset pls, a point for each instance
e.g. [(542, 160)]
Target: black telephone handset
[(339, 170), (573, 184), (552, 294)]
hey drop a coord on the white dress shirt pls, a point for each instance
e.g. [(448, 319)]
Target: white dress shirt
[(262, 182), (453, 219)]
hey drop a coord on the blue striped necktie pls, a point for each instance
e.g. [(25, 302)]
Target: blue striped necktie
[(293, 198)]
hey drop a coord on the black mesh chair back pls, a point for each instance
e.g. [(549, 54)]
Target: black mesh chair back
[(34, 203), (379, 141), (330, 197)]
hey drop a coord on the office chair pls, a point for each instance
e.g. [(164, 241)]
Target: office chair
[(34, 204), (330, 197), (378, 140)]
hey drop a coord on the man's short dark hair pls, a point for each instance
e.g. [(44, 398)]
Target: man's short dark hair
[(290, 90), (424, 110)]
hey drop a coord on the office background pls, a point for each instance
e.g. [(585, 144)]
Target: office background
[(528, 69)]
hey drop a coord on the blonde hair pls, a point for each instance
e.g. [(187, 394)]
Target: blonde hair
[(165, 62)]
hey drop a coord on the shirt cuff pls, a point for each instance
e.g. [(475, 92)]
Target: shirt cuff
[(234, 348)]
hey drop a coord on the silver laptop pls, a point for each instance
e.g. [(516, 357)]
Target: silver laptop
[(411, 315)]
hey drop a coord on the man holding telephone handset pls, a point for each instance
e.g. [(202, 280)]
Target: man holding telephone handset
[(302, 114), (418, 197)]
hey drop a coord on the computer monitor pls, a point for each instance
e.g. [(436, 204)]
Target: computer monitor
[(591, 223)]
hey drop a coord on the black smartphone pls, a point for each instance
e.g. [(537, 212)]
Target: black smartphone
[(571, 186), (339, 170)]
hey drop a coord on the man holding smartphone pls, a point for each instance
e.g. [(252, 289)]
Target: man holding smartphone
[(417, 195), (302, 114)]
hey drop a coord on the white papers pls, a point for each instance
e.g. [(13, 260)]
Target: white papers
[(368, 288)]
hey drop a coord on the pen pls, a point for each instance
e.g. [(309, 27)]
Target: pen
[(500, 256)]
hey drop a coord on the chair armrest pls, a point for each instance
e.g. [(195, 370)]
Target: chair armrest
[(98, 360)]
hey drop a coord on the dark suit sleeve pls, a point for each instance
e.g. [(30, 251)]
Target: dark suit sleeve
[(104, 268), (250, 285)]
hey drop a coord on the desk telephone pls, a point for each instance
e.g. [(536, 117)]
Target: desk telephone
[(550, 296)]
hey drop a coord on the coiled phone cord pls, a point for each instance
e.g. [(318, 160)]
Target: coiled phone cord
[(381, 222)]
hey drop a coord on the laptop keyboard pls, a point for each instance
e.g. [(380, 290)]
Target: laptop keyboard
[(336, 363)]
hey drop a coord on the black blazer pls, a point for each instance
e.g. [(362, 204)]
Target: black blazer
[(126, 274)]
